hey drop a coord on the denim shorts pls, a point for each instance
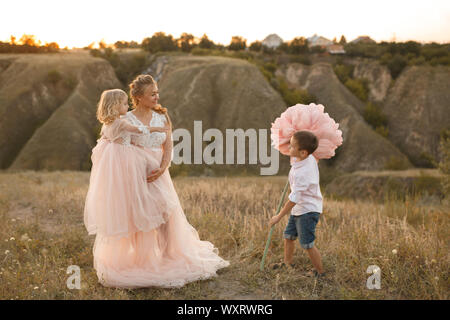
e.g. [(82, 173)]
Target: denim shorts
[(303, 225)]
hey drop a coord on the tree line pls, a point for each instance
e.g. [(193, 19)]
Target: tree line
[(187, 42), (27, 44), (395, 55)]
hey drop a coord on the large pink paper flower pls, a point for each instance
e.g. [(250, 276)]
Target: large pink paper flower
[(309, 118)]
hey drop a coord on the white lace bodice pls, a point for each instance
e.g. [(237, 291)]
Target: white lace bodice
[(148, 139)]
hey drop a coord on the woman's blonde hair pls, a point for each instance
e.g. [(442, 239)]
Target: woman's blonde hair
[(137, 88), (108, 106)]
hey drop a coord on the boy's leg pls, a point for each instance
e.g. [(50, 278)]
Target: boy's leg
[(306, 226), (316, 260), (290, 236), (289, 247)]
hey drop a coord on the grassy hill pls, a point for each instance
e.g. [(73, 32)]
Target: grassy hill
[(363, 148), (378, 76), (48, 101), (417, 107), (47, 109), (221, 92)]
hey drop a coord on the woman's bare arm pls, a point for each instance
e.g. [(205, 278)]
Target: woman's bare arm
[(167, 146)]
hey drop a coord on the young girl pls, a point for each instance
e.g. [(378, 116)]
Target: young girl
[(119, 201)]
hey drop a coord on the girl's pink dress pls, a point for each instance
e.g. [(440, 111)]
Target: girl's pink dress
[(143, 238)]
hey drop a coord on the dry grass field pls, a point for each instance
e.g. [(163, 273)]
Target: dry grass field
[(42, 233)]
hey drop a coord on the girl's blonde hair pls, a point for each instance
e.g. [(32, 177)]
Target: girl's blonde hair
[(108, 106), (137, 88)]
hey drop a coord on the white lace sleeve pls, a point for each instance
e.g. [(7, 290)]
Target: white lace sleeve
[(143, 129)]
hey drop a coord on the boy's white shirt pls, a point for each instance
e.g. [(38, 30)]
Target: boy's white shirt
[(305, 187)]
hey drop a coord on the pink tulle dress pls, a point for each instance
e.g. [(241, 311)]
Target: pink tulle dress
[(143, 238), (309, 118)]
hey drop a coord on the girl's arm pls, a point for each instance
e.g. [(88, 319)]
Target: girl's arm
[(139, 129)]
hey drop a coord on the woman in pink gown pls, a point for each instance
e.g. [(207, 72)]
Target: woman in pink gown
[(156, 246)]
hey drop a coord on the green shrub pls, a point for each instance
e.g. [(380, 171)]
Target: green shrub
[(202, 52), (317, 49), (395, 188), (444, 164), (241, 55), (385, 58), (382, 130), (426, 160), (440, 60), (126, 71), (255, 46), (368, 50), (237, 43), (159, 42), (343, 72), (375, 117), (396, 65), (303, 59), (293, 96), (427, 184), (417, 61), (434, 50), (358, 87), (267, 74), (70, 82), (95, 53), (54, 76), (396, 163), (270, 66), (397, 55)]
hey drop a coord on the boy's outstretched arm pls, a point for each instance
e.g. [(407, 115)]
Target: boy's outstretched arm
[(286, 209)]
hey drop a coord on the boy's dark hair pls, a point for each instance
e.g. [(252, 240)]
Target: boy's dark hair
[(306, 141)]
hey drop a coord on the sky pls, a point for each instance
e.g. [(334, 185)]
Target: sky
[(79, 23)]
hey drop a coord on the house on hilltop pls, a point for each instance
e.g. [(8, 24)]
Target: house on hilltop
[(316, 40), (328, 45), (272, 41), (363, 39)]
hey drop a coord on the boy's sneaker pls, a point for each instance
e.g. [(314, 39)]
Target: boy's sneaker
[(283, 265), (317, 275)]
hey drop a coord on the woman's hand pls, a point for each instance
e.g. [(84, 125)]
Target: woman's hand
[(155, 174)]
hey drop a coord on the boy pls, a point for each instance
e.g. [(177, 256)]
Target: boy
[(305, 201)]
